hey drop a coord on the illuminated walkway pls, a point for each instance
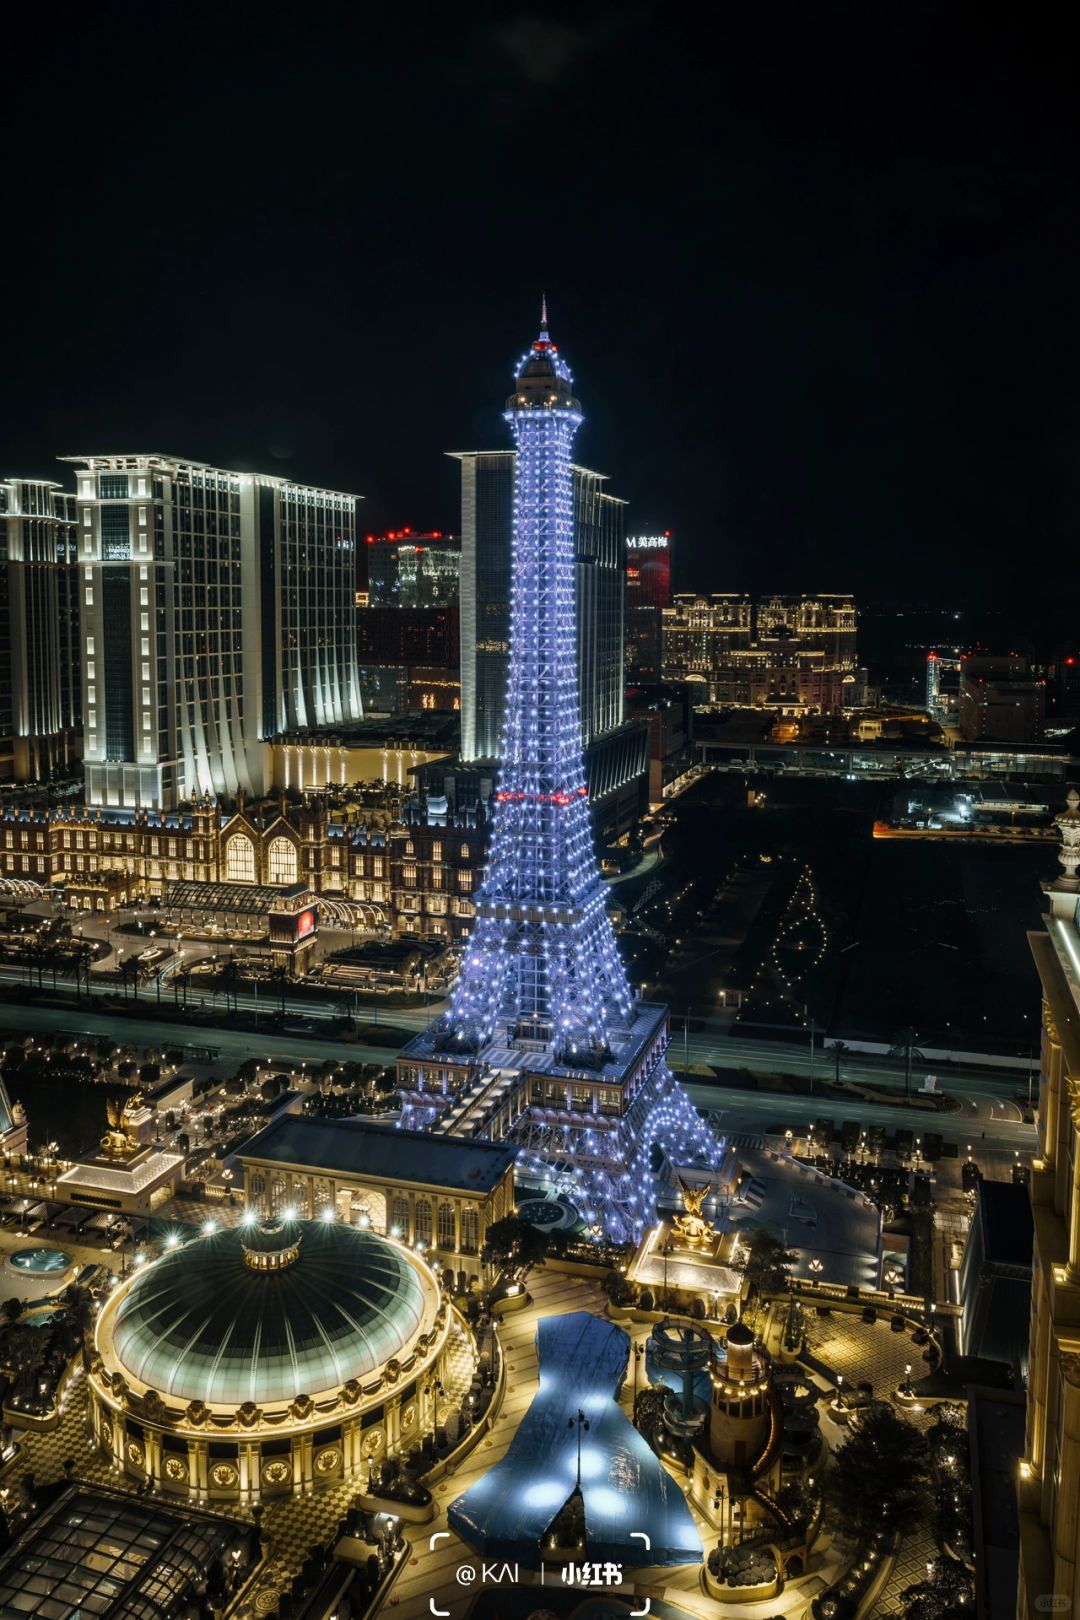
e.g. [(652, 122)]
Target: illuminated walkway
[(624, 1488)]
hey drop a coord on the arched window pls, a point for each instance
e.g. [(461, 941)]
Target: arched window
[(423, 1221), (446, 1226), (464, 852), (470, 1231), (240, 859), (281, 861), (399, 1216)]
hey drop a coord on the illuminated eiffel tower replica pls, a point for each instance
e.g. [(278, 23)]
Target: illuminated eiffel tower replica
[(543, 1043)]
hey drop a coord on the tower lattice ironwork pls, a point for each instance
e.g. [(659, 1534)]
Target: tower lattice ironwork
[(541, 972), (542, 962)]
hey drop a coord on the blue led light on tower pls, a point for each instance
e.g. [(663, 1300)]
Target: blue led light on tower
[(543, 959), (543, 1042)]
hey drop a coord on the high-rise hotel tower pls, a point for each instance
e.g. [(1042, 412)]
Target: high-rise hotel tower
[(1049, 1482), (39, 630), (544, 1042), (218, 610)]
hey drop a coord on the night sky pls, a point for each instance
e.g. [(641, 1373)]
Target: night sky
[(815, 266)]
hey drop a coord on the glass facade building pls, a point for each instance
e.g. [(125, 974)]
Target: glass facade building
[(39, 630), (487, 527), (413, 570), (218, 611)]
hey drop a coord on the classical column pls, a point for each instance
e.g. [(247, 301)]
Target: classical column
[(1039, 1372), (1066, 1526)]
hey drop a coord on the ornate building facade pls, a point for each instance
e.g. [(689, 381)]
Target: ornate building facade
[(401, 870), (269, 1360), (1049, 1484), (431, 1191)]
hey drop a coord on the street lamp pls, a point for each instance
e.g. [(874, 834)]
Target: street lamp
[(435, 1389), (582, 1424), (907, 1378), (839, 1391)]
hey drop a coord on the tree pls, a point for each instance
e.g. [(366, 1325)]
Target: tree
[(80, 955), (79, 1314), (229, 980), (904, 1047), (768, 1263), (514, 1245), (619, 1289), (948, 1593), (839, 1051), (880, 1478), (133, 971), (281, 977)]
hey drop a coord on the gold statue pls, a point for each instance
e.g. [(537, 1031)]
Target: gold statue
[(692, 1227), (119, 1140)]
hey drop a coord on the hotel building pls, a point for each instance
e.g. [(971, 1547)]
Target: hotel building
[(39, 630), (616, 749), (1049, 1484), (218, 611), (791, 654)]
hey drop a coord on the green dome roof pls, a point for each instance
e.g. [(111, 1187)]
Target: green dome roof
[(203, 1324)]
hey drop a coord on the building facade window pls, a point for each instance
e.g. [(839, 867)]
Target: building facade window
[(240, 859), (446, 1226), (281, 860)]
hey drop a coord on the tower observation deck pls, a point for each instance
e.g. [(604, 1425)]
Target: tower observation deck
[(543, 1042)]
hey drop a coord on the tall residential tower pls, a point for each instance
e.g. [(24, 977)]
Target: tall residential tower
[(218, 611), (544, 1041)]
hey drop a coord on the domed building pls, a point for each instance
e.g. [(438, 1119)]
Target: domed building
[(267, 1360)]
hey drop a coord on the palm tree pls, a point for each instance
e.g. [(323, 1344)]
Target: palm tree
[(79, 954), (134, 972), (79, 1314), (229, 979), (904, 1047), (281, 977), (839, 1049)]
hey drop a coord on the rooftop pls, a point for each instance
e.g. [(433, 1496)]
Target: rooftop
[(357, 1148), (95, 1553), (627, 1047), (268, 1314)]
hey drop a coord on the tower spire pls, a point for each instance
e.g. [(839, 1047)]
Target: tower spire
[(543, 315)]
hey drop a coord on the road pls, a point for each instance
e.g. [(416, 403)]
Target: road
[(717, 1049), (790, 1057), (264, 1005), (989, 1122), (235, 1044), (749, 1111)]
